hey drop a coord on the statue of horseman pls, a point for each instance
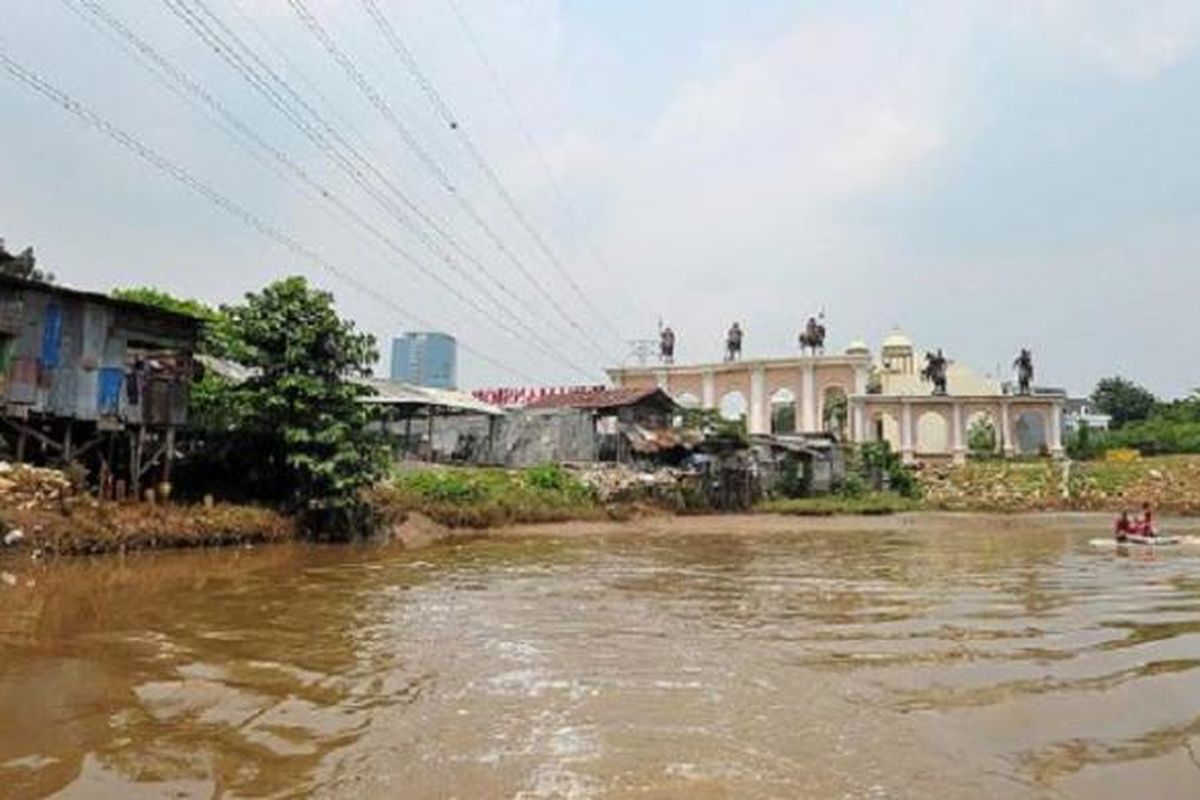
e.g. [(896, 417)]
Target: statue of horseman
[(935, 371), (812, 338), (733, 343)]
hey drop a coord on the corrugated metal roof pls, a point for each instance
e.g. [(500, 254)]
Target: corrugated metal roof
[(607, 398), (13, 282), (394, 393)]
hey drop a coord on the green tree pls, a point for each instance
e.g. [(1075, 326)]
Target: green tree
[(981, 436), (303, 403), (295, 432), (210, 406), (1123, 400), (22, 265)]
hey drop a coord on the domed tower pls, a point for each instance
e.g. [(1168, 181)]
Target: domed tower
[(897, 354), (858, 348)]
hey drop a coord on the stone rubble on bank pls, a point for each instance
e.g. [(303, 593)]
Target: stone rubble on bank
[(617, 483), (27, 488)]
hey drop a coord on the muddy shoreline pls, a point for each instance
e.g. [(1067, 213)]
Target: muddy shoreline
[(420, 532)]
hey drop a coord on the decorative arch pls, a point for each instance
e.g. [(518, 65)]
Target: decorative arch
[(1029, 433), (983, 436), (783, 411), (933, 433), (835, 410), (885, 427), (733, 406)]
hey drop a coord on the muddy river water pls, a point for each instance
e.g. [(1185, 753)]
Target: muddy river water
[(902, 664)]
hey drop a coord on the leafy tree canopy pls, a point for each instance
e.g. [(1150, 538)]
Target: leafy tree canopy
[(22, 265), (217, 335), (167, 302), (295, 432), (304, 398), (1123, 400)]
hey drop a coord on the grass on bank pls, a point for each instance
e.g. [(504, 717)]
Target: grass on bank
[(486, 497)]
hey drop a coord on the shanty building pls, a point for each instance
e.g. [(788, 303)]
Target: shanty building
[(618, 423), (86, 377)]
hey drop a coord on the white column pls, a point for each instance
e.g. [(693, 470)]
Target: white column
[(808, 399), (708, 389), (859, 431), (906, 433), (1056, 444), (861, 375), (1006, 430), (661, 380), (959, 437), (759, 420)]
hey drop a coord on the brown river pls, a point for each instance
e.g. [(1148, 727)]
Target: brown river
[(911, 663)]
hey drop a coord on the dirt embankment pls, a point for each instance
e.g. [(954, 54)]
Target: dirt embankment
[(42, 511), (1170, 483)]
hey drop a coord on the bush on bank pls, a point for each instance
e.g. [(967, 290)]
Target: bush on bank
[(485, 497)]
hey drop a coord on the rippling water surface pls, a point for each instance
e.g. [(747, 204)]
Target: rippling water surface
[(873, 665)]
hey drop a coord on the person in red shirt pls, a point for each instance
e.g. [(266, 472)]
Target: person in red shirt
[(1145, 526), (1124, 526)]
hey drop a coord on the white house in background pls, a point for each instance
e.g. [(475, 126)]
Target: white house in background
[(1080, 411)]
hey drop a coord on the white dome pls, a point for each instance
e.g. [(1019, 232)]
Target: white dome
[(896, 340), (858, 348)]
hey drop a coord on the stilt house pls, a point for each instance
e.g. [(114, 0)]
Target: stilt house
[(89, 378)]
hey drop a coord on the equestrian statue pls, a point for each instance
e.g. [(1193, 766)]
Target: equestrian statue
[(935, 371), (813, 337)]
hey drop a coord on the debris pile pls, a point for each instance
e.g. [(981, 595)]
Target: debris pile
[(616, 483), (33, 488), (1169, 483), (993, 486)]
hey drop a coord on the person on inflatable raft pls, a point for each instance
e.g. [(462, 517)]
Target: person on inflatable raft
[(1125, 526)]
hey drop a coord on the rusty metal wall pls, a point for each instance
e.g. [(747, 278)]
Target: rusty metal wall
[(63, 343)]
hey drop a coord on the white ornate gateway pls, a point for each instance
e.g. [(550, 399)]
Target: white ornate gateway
[(864, 398)]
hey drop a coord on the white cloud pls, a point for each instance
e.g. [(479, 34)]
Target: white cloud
[(1135, 39)]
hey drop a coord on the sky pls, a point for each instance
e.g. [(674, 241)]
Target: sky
[(985, 175)]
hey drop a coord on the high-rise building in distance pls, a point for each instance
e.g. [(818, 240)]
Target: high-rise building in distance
[(425, 359)]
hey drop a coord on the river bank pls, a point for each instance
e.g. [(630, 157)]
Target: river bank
[(42, 512), (422, 532)]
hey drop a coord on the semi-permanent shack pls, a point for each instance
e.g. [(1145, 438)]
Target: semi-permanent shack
[(91, 379)]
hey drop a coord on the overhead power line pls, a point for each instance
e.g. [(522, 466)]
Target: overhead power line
[(216, 198), (239, 56), (452, 121), (331, 143), (181, 84), (376, 99), (518, 120)]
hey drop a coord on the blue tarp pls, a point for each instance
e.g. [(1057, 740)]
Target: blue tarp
[(110, 389), (52, 335)]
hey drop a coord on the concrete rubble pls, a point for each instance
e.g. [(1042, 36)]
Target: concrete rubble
[(27, 488), (616, 483)]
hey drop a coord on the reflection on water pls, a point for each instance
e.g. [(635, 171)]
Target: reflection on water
[(902, 664)]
